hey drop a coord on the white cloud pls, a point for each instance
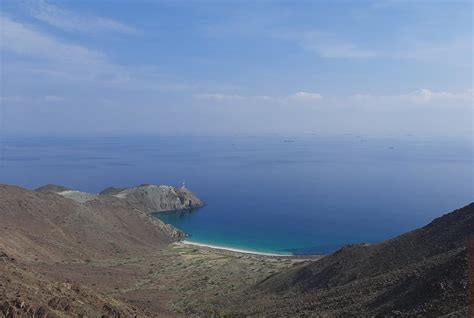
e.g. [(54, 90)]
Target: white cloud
[(12, 99), (419, 97), (305, 97), (39, 54), (327, 46), (219, 97), (24, 40), (31, 99), (425, 95), (35, 62), (71, 21), (53, 99), (341, 51)]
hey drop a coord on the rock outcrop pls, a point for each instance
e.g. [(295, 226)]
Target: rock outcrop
[(154, 198), (147, 197), (78, 196)]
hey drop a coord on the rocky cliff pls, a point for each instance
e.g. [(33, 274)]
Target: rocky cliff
[(159, 198), (147, 197)]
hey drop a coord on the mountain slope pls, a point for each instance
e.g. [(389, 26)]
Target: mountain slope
[(447, 233), (48, 226), (423, 272), (51, 244)]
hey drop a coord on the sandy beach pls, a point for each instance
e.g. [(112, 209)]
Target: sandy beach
[(224, 248)]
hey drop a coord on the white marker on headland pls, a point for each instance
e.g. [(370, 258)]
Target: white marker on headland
[(224, 248)]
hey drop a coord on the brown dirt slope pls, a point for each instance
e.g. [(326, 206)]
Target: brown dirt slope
[(444, 234), (23, 293), (47, 226), (47, 243)]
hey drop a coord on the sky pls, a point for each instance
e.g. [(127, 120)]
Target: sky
[(378, 68)]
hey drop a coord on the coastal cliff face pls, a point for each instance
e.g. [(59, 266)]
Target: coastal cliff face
[(154, 198), (148, 198)]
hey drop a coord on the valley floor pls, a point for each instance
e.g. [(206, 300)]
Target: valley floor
[(180, 280)]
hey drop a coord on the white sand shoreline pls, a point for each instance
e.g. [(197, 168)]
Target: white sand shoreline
[(233, 249)]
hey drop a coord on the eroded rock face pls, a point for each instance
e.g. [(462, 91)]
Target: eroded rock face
[(148, 197), (78, 196), (154, 198)]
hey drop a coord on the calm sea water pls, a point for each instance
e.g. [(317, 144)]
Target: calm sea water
[(310, 195)]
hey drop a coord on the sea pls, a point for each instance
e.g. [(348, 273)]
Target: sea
[(277, 194)]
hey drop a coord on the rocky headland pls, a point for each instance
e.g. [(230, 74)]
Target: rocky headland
[(149, 198)]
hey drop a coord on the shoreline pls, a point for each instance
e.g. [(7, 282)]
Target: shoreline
[(236, 250)]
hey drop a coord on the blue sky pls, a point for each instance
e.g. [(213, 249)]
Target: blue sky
[(245, 67)]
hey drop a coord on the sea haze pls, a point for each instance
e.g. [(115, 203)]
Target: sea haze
[(277, 194)]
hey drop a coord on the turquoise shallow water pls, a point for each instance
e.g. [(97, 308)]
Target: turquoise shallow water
[(199, 230), (312, 195), (262, 236)]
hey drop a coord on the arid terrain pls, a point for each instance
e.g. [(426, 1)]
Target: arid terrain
[(64, 255)]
